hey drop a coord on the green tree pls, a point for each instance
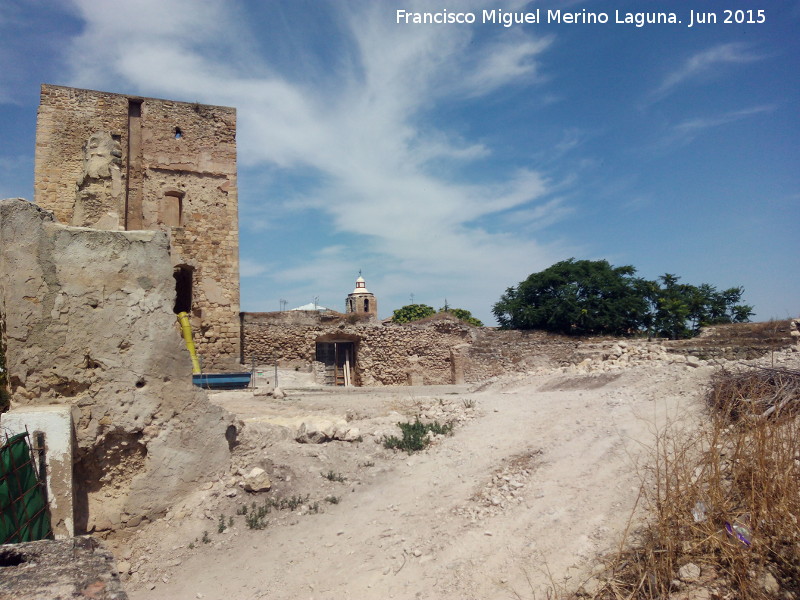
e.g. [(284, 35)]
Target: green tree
[(592, 297), (682, 309), (673, 308), (412, 312), (460, 313), (578, 297)]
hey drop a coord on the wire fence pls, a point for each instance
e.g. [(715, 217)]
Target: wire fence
[(24, 516)]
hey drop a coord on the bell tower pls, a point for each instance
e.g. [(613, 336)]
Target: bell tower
[(361, 301)]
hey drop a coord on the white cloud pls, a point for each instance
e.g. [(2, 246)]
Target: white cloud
[(361, 129), (540, 216), (686, 131), (706, 63), (511, 60), (251, 268)]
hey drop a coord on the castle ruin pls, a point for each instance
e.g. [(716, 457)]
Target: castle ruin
[(124, 163), (135, 220)]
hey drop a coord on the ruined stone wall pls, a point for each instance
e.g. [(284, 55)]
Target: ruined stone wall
[(439, 350), (386, 353), (497, 351), (421, 350), (67, 118), (288, 337), (87, 322), (735, 341), (176, 173), (442, 350)]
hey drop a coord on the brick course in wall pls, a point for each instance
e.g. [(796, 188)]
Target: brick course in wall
[(177, 173)]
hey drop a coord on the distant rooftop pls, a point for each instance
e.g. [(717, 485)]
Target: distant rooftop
[(312, 306)]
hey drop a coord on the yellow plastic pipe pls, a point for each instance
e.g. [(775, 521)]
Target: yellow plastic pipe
[(186, 329)]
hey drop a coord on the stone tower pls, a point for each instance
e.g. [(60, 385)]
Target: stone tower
[(361, 301), (119, 162)]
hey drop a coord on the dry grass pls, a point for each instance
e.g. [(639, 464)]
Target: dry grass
[(771, 330), (768, 331), (725, 498)]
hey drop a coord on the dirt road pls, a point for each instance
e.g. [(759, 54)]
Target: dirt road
[(538, 479)]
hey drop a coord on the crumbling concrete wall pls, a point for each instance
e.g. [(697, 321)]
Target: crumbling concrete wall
[(117, 162), (438, 350), (88, 322)]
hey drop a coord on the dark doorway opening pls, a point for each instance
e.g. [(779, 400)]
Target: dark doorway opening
[(339, 359), (183, 289)]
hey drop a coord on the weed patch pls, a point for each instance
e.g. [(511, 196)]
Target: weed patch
[(255, 516), (331, 476), (415, 435)]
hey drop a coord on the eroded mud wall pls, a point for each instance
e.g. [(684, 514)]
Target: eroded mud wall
[(89, 323)]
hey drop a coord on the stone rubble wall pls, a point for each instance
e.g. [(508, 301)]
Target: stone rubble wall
[(67, 118), (199, 166), (609, 355), (738, 341), (385, 353), (87, 322), (439, 350), (497, 351), (443, 350), (716, 345)]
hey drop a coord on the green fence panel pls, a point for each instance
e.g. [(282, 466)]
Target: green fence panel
[(23, 506)]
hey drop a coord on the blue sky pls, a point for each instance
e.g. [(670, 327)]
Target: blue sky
[(450, 161)]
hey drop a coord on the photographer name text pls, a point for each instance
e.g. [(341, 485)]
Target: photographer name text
[(694, 18)]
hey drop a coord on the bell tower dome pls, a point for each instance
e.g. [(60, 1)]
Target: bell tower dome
[(361, 301)]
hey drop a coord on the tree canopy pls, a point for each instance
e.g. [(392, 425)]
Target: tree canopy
[(462, 314), (412, 312), (415, 312), (584, 297)]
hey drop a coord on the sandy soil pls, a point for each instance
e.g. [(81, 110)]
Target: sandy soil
[(538, 480)]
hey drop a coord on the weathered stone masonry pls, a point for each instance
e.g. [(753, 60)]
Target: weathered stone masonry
[(439, 350), (118, 162)]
